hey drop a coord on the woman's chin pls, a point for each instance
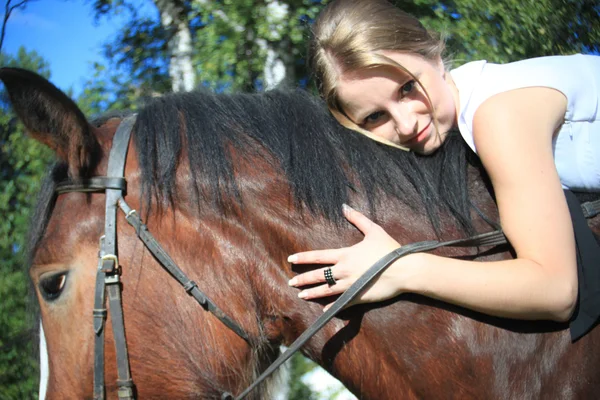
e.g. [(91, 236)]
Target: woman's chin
[(430, 146)]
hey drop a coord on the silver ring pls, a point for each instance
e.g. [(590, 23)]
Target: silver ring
[(329, 276)]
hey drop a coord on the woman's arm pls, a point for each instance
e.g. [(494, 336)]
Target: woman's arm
[(513, 134)]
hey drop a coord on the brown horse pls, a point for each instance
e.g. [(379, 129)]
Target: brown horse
[(230, 185)]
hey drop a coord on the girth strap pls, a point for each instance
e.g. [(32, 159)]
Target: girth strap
[(487, 239)]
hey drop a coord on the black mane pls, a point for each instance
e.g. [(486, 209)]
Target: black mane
[(309, 146)]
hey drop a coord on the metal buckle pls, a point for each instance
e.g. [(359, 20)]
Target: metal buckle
[(110, 257), (112, 275), (111, 279)]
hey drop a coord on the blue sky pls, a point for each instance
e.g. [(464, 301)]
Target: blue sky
[(65, 34)]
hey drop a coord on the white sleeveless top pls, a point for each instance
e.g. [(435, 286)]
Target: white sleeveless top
[(577, 144)]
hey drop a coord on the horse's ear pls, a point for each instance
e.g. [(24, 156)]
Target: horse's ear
[(52, 118)]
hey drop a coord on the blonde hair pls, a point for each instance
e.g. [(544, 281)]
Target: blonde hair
[(350, 35)]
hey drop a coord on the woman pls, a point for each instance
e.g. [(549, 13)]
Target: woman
[(535, 125)]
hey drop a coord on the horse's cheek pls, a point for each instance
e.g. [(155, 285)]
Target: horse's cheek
[(68, 323)]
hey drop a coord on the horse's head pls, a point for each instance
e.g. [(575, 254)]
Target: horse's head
[(176, 348)]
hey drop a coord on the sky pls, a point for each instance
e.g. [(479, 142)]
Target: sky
[(65, 34)]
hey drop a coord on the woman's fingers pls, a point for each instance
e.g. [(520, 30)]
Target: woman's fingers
[(358, 219), (311, 277), (321, 291), (330, 256), (347, 264)]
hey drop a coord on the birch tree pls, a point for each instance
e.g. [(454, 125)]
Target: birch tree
[(174, 20)]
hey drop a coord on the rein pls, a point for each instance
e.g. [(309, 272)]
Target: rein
[(109, 272)]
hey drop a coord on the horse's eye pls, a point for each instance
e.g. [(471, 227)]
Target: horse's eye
[(52, 286)]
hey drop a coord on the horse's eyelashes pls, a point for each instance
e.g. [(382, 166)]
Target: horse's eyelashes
[(52, 286)]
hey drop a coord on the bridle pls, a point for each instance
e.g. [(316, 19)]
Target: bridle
[(109, 271)]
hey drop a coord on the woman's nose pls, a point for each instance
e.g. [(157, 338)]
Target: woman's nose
[(405, 120)]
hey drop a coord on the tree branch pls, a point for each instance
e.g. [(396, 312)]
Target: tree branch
[(8, 9)]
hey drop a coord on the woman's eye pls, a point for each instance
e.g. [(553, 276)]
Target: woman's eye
[(407, 87), (373, 117), (52, 286)]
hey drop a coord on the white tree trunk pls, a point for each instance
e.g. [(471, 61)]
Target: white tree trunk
[(275, 69), (181, 69), (278, 65)]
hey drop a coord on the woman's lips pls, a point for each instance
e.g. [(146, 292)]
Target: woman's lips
[(419, 136)]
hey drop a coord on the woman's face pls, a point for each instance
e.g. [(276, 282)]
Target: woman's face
[(389, 103)]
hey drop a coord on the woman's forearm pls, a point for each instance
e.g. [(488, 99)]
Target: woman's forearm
[(517, 288)]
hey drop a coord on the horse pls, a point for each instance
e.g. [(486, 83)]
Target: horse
[(230, 185)]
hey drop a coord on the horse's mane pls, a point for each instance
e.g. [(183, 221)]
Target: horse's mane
[(322, 161)]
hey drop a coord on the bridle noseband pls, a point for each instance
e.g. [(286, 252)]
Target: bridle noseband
[(109, 271)]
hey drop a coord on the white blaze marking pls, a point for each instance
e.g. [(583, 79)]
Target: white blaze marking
[(44, 367)]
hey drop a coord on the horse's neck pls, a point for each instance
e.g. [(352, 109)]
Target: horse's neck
[(357, 349), (343, 342), (398, 346)]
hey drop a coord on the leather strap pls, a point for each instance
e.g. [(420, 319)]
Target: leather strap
[(108, 270), (109, 273), (95, 184), (99, 313), (169, 265)]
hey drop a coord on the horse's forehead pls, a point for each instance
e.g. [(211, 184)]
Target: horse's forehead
[(104, 133), (77, 218)]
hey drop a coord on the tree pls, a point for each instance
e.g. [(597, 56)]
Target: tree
[(235, 44), (511, 30), (23, 161), (245, 45), (252, 45)]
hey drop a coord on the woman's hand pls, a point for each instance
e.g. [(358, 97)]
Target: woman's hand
[(349, 264)]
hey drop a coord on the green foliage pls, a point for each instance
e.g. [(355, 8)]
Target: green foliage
[(231, 48), (299, 366), (231, 37), (109, 91), (230, 42), (511, 30), (22, 163)]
